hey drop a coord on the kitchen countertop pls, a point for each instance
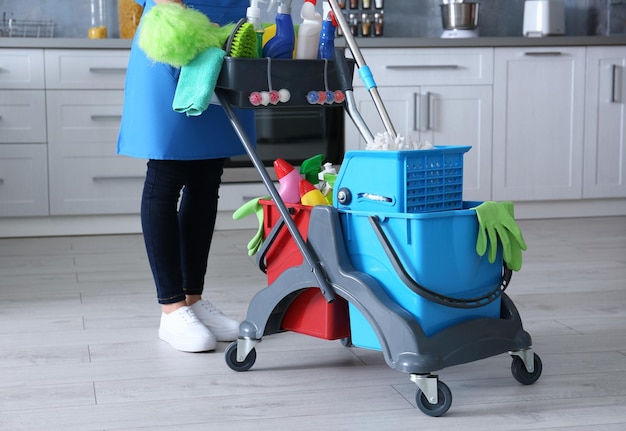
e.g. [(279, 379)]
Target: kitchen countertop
[(370, 42)]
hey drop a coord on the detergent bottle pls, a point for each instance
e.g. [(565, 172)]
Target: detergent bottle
[(309, 31), (253, 15), (283, 42), (309, 195), (327, 35), (289, 181)]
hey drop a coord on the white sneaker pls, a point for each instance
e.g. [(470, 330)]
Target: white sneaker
[(224, 328), (184, 332)]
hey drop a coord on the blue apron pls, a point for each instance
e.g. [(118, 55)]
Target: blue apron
[(151, 129)]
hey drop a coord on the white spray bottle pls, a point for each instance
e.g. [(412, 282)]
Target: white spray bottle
[(309, 31), (253, 15)]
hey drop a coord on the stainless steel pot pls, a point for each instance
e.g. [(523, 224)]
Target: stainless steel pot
[(459, 16)]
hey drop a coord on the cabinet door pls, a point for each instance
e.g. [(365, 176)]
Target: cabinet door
[(402, 105), (538, 123), (86, 175), (23, 180), (441, 115), (605, 120), (461, 115)]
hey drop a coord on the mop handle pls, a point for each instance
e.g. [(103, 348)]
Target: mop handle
[(364, 71)]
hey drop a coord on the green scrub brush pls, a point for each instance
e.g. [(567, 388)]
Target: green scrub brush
[(242, 42)]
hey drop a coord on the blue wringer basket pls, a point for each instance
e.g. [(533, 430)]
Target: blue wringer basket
[(412, 181), (416, 198)]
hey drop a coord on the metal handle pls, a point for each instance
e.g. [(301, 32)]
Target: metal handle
[(364, 71), (426, 111), (616, 83), (108, 69), (100, 117), (543, 53), (423, 67), (113, 178)]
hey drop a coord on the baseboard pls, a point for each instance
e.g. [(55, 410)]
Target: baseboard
[(14, 227)]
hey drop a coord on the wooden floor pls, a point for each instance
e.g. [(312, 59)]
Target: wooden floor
[(79, 347)]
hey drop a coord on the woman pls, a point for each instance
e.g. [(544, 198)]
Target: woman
[(180, 195)]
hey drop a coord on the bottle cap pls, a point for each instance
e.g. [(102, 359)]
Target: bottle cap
[(306, 187), (282, 168)]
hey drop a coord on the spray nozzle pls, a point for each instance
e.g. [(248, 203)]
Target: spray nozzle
[(284, 6)]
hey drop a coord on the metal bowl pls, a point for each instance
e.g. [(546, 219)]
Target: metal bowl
[(459, 16)]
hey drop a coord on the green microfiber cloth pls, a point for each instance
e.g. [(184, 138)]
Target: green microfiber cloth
[(173, 34), (196, 82)]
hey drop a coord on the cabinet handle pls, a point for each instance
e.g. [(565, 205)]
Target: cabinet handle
[(107, 69), (422, 67), (543, 53), (101, 117), (115, 178), (426, 102), (616, 83)]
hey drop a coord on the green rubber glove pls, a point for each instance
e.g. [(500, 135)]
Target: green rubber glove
[(497, 223), (250, 207)]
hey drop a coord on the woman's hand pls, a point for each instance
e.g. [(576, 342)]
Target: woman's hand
[(168, 1)]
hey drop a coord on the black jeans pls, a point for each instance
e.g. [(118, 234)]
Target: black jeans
[(178, 235)]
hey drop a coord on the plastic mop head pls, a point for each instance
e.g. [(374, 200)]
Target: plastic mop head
[(173, 34)]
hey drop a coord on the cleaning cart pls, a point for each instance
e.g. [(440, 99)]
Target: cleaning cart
[(391, 265)]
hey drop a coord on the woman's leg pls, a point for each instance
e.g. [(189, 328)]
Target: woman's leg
[(196, 221), (179, 325), (159, 220), (196, 215)]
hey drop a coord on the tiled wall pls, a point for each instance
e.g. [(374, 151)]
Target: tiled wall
[(403, 18)]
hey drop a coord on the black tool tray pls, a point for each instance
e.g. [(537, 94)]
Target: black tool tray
[(240, 77)]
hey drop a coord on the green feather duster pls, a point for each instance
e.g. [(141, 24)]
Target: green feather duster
[(173, 34)]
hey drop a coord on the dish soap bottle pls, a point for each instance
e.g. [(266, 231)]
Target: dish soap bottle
[(309, 32), (253, 15), (327, 35), (283, 42)]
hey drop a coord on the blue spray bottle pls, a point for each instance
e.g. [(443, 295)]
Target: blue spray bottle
[(282, 44), (327, 35)]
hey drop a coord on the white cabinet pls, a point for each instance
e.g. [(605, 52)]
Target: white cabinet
[(23, 180), (84, 107), (23, 153), (440, 96), (605, 123), (538, 123)]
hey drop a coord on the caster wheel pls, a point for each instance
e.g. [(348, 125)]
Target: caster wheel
[(346, 342), (443, 404), (520, 372), (231, 358)]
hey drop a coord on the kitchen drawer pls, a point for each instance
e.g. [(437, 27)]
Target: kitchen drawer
[(23, 180), (91, 179), (21, 69), (76, 116), (411, 67), (22, 116), (86, 69)]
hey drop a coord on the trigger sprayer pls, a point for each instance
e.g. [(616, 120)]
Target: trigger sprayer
[(253, 15), (282, 44)]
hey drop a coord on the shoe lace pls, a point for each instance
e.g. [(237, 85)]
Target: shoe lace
[(189, 316), (210, 308)]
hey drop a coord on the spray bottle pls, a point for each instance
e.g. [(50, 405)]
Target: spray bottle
[(289, 181), (309, 32), (282, 44), (327, 35), (253, 15), (326, 181), (311, 196)]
